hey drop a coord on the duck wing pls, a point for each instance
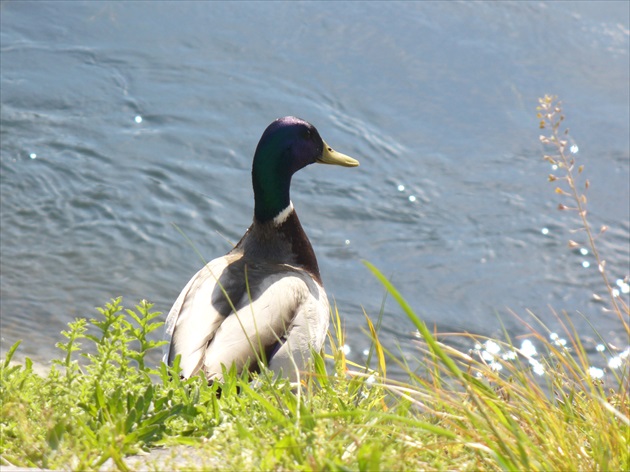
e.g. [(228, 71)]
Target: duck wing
[(283, 318), (195, 317), (232, 312)]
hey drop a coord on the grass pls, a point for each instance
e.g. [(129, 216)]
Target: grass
[(516, 410)]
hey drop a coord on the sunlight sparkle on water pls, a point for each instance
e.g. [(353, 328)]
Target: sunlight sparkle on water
[(495, 356), (583, 251), (496, 366), (491, 350), (617, 361), (492, 347), (574, 149), (586, 264), (595, 372), (623, 286), (138, 119), (401, 188), (32, 155), (537, 367), (486, 356), (545, 231), (412, 198), (557, 340), (528, 349), (509, 356), (614, 362)]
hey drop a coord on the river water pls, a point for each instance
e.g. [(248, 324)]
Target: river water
[(122, 122)]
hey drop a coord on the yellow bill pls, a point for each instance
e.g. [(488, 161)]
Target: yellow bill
[(330, 156)]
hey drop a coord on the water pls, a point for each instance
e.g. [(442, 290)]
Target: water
[(122, 121)]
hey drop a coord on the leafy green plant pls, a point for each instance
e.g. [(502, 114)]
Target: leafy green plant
[(104, 407)]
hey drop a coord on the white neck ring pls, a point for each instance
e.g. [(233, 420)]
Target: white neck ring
[(283, 215)]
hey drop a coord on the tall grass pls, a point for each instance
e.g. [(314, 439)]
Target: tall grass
[(511, 409)]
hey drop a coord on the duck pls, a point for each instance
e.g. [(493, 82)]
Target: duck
[(263, 304)]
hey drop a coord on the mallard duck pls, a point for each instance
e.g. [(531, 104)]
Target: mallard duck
[(264, 301)]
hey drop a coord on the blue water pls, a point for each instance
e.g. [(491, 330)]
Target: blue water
[(122, 122)]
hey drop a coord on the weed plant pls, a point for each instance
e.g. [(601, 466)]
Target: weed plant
[(464, 412)]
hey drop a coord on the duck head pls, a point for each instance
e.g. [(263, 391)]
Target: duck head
[(287, 145)]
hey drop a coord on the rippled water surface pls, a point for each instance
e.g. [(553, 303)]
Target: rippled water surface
[(123, 121)]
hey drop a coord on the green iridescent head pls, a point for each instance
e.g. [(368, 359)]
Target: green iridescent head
[(287, 145)]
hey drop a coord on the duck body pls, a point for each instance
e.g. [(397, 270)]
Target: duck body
[(264, 301)]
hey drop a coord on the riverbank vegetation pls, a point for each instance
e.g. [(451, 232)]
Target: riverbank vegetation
[(473, 410)]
